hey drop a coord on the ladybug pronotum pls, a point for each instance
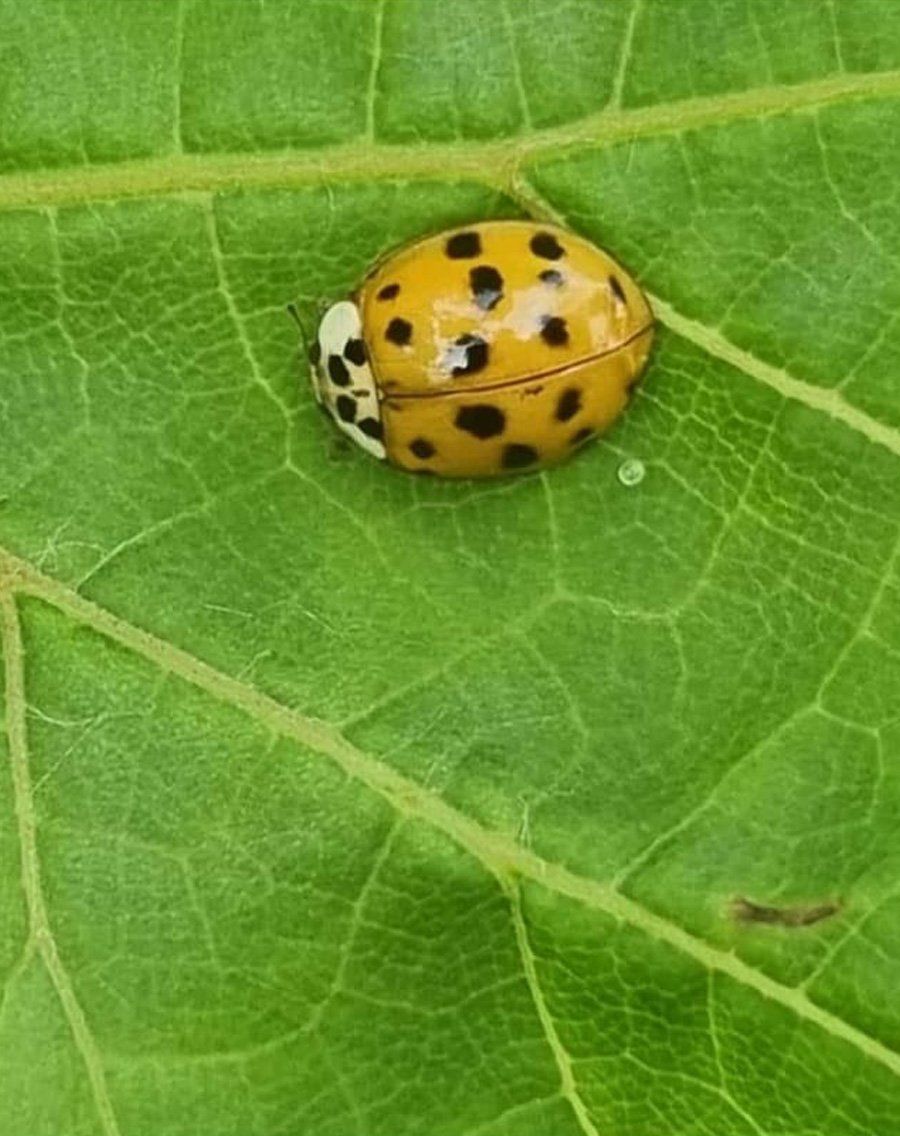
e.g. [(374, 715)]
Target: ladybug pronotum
[(483, 351)]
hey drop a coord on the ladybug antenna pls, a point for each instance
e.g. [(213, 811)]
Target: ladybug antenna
[(294, 312)]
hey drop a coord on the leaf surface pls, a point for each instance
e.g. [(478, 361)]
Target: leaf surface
[(345, 802)]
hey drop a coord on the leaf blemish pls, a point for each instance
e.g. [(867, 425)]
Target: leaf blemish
[(799, 915)]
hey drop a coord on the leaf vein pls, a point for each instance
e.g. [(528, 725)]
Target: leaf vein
[(615, 102), (828, 401), (568, 1086), (493, 161), (41, 932), (509, 28), (374, 69), (498, 853)]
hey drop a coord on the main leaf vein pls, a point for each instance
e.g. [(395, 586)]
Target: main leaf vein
[(495, 161)]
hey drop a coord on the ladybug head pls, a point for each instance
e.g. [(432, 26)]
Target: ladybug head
[(342, 378)]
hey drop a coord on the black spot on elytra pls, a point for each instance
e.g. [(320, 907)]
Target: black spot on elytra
[(337, 371), (371, 427), (463, 246), (518, 456), (346, 407), (399, 331), (616, 288), (476, 355), (422, 448), (552, 277), (482, 420), (568, 404), (581, 435), (547, 246), (315, 353), (355, 351), (554, 331), (389, 292), (487, 286)]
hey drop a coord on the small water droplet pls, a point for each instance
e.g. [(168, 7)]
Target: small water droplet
[(631, 472)]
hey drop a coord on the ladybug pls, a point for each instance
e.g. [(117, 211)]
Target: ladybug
[(483, 351)]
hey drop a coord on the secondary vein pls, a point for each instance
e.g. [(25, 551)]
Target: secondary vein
[(568, 1086), (831, 402), (41, 933)]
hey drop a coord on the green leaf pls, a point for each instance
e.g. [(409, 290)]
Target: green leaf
[(342, 802)]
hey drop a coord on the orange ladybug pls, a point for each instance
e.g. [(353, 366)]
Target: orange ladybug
[(483, 351)]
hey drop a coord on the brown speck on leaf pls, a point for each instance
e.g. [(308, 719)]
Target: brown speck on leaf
[(800, 915)]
